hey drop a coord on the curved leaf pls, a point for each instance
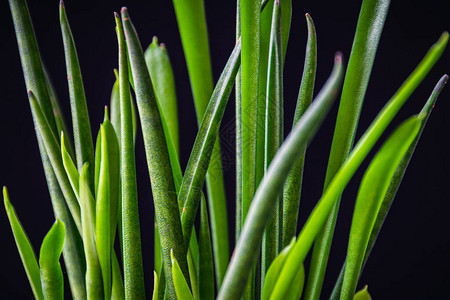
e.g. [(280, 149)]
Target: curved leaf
[(373, 187), (327, 202), (50, 269), (24, 247), (263, 204), (367, 36), (397, 179), (53, 150), (362, 294), (293, 185), (194, 177)]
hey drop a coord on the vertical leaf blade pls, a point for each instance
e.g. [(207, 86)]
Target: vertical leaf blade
[(132, 253), (293, 185)]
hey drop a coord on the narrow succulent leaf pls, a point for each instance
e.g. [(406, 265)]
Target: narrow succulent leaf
[(24, 247), (328, 201), (286, 16), (250, 39), (206, 267), (73, 252), (50, 269), (69, 166), (131, 247), (118, 290), (84, 148), (238, 125), (181, 286), (113, 151), (155, 286), (368, 32), (32, 70), (293, 185), (161, 74), (94, 282), (30, 57), (114, 105), (395, 184), (58, 115), (264, 202), (363, 294), (199, 160), (54, 154), (103, 216), (163, 187), (264, 46), (374, 185), (273, 135), (274, 271), (194, 37), (193, 274), (340, 149)]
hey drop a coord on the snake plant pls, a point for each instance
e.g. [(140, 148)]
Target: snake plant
[(92, 178)]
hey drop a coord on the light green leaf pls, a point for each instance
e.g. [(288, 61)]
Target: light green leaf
[(69, 166), (50, 269), (155, 286), (372, 190), (94, 282), (84, 148), (24, 247), (362, 294), (179, 281)]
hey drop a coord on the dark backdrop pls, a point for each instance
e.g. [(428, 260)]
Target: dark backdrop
[(411, 258)]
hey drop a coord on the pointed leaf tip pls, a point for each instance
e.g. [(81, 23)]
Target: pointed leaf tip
[(124, 12)]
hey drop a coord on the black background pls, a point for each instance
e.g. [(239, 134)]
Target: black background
[(410, 260)]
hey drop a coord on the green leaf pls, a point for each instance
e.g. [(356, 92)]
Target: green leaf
[(293, 185), (250, 38), (161, 74), (155, 286), (131, 247), (35, 81), (199, 160), (373, 187), (69, 166), (321, 250), (53, 150), (30, 57), (368, 32), (274, 271), (103, 216), (206, 267), (263, 204), (94, 282), (114, 106), (50, 269), (194, 36), (84, 148), (327, 202), (118, 290), (273, 135), (24, 247), (363, 294), (395, 184), (179, 281), (57, 114)]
